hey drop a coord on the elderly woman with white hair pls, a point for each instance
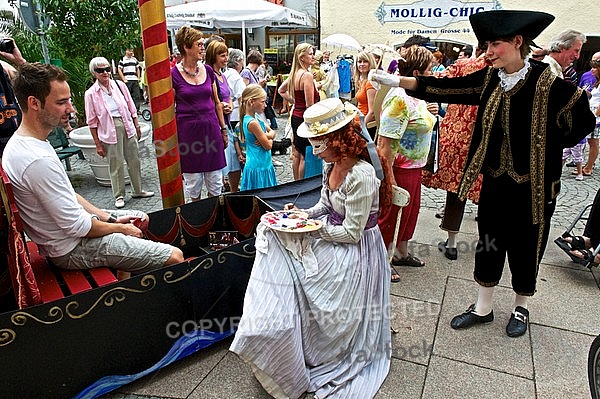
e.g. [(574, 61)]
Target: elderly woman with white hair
[(233, 152), (113, 121)]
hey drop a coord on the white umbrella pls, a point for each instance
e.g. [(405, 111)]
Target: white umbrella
[(384, 48), (342, 40), (234, 14)]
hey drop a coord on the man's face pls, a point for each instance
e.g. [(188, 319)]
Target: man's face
[(129, 53), (58, 107), (568, 56)]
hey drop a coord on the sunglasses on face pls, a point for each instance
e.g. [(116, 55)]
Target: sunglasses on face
[(100, 70)]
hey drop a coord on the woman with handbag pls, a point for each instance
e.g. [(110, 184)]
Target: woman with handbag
[(405, 138)]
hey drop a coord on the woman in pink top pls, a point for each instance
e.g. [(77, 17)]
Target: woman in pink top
[(112, 118)]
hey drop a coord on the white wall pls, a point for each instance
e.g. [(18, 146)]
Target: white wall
[(358, 19)]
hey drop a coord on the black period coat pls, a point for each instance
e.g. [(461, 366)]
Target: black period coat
[(520, 132)]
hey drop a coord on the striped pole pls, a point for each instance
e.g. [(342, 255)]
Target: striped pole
[(162, 100)]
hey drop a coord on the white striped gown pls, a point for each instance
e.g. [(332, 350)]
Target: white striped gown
[(327, 333)]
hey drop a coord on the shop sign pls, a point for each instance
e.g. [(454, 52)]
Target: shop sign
[(433, 13)]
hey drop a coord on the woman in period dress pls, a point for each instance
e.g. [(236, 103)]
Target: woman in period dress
[(201, 128), (316, 311)]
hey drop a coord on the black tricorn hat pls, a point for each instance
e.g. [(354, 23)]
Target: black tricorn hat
[(497, 24)]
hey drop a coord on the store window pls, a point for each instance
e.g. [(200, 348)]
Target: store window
[(281, 45)]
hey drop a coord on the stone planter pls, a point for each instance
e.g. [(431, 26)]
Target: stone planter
[(82, 138)]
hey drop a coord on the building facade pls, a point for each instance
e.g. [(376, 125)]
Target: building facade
[(445, 22)]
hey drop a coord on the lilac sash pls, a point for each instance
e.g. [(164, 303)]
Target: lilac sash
[(336, 219)]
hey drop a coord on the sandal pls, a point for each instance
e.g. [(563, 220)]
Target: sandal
[(577, 242), (410, 260), (587, 260), (395, 275), (584, 173)]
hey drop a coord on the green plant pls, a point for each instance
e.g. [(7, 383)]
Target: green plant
[(79, 31), (91, 28)]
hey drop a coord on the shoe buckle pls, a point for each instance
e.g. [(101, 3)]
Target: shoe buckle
[(520, 316)]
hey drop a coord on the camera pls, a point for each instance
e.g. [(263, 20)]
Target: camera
[(7, 45)]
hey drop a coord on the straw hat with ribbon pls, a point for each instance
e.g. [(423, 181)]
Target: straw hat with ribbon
[(325, 117)]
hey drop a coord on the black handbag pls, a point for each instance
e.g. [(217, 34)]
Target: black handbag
[(433, 158)]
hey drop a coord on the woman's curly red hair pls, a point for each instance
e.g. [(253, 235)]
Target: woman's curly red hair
[(347, 142)]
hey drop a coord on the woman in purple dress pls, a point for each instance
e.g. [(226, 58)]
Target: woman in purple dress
[(217, 55), (201, 128)]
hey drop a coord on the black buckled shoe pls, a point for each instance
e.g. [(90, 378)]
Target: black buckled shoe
[(517, 325), (450, 253), (469, 318)]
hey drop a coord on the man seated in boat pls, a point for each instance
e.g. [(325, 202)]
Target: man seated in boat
[(69, 230)]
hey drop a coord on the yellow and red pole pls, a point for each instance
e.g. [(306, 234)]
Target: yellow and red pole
[(162, 100)]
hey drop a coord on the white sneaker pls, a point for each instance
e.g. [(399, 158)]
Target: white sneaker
[(119, 202), (143, 194), (579, 177), (277, 163)]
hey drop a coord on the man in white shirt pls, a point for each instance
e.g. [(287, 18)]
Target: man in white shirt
[(130, 73), (68, 229), (563, 50)]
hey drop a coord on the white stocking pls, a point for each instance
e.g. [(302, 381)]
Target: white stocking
[(521, 300), (484, 301)]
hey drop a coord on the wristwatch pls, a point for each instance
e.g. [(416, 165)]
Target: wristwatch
[(112, 218)]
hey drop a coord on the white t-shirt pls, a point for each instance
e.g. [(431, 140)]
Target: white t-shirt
[(236, 87), (595, 102), (46, 200)]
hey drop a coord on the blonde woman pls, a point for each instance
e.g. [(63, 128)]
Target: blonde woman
[(365, 92), (300, 90)]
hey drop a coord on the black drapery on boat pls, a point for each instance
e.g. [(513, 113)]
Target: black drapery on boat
[(88, 344)]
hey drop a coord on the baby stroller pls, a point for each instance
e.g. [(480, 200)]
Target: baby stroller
[(586, 219)]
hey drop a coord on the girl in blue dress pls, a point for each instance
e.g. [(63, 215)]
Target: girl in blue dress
[(258, 171)]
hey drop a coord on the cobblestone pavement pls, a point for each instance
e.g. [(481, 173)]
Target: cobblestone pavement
[(564, 290), (573, 197)]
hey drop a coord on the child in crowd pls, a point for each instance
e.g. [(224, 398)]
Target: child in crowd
[(576, 153), (258, 171)]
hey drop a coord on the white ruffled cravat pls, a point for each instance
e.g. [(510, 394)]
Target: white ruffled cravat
[(509, 80)]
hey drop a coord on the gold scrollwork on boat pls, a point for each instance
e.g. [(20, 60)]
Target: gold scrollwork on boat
[(110, 297), (170, 278), (7, 336), (247, 253), (55, 314)]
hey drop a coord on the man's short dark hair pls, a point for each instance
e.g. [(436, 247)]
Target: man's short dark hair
[(468, 51), (34, 79), (415, 39)]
